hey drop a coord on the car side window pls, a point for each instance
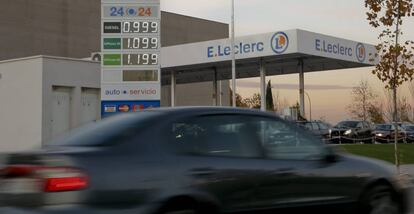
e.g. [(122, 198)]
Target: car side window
[(360, 125), (323, 126), (218, 135), (284, 141), (308, 126), (315, 126)]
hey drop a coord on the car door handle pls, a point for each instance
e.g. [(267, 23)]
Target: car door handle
[(203, 171)]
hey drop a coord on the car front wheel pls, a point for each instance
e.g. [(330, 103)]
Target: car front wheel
[(380, 200)]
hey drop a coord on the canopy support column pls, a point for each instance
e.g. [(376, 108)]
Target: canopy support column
[(215, 88), (220, 93), (301, 89), (262, 85), (173, 87)]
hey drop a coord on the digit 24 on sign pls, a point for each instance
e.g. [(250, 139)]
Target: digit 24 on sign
[(141, 11)]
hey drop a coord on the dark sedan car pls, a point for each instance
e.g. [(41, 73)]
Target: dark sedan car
[(385, 133), (195, 160), (352, 131)]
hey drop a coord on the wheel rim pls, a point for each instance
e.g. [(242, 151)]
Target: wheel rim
[(382, 203)]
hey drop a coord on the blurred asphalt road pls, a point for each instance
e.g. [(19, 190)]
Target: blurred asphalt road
[(408, 169)]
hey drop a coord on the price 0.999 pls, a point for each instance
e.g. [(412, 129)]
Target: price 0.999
[(140, 59), (140, 27)]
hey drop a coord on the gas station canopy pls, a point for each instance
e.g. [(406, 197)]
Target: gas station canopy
[(283, 52)]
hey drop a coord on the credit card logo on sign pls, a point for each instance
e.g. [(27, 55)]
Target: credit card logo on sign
[(123, 108), (110, 109), (138, 108)]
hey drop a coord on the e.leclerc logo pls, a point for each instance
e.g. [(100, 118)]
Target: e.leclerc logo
[(361, 53), (240, 48), (280, 42)]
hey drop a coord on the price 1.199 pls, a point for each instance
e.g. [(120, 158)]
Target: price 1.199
[(140, 59), (140, 27)]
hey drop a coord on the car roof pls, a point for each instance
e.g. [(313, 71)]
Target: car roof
[(207, 109), (193, 111)]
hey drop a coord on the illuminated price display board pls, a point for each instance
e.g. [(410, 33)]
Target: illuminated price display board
[(130, 55)]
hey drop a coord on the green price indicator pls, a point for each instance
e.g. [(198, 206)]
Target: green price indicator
[(112, 59), (112, 43)]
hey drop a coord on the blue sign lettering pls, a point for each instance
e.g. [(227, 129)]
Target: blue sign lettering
[(337, 49), (241, 48)]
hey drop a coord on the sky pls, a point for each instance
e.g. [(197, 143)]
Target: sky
[(330, 91)]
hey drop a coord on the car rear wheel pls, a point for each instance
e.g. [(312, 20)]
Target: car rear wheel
[(184, 205), (380, 200), (179, 209), (185, 211)]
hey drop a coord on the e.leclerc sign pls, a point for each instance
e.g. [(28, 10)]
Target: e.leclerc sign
[(267, 45)]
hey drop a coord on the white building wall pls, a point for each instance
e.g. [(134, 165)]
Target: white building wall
[(68, 73), (20, 104)]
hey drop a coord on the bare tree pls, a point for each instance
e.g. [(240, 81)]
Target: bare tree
[(376, 113), (404, 110), (362, 98), (280, 103), (389, 105), (403, 107)]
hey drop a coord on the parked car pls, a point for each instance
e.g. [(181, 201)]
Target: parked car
[(318, 128), (195, 160), (404, 124), (409, 131), (352, 131), (384, 133)]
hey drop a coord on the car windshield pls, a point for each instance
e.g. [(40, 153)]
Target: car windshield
[(347, 124), (383, 127), (409, 128), (107, 132), (323, 125)]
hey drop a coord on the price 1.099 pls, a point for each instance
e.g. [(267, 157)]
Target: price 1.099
[(140, 43), (140, 27), (140, 59)]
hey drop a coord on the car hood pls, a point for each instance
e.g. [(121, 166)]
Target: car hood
[(370, 167), (381, 132), (342, 129)]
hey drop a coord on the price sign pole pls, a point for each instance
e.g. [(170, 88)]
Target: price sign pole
[(130, 47)]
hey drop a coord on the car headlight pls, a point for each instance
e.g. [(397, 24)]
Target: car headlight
[(348, 132), (379, 134)]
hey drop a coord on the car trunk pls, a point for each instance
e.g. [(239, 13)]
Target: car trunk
[(51, 176)]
